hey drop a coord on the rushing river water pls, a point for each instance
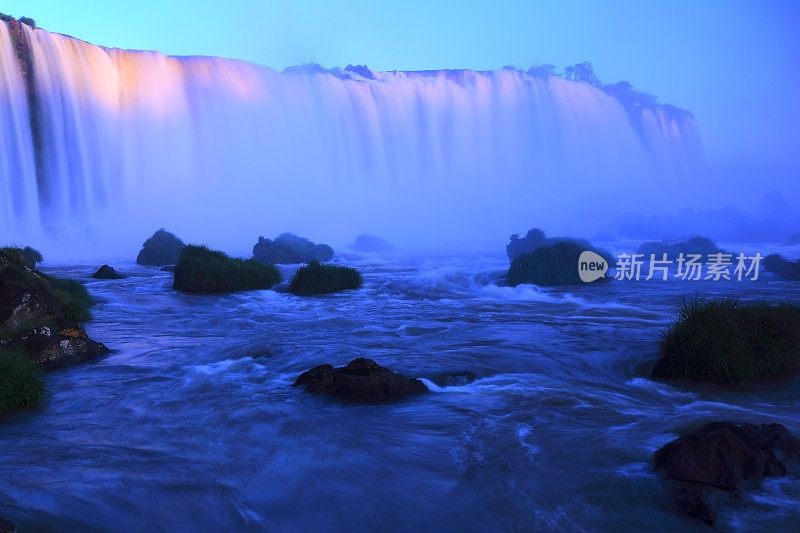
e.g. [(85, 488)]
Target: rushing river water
[(191, 423)]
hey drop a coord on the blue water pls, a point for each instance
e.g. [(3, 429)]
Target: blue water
[(191, 423)]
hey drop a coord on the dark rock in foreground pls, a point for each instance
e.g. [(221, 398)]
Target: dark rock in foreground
[(107, 272), (316, 278), (728, 341), (361, 380), (204, 271), (39, 315), (721, 459), (783, 268), (371, 243), (288, 248), (168, 268), (163, 248), (6, 526)]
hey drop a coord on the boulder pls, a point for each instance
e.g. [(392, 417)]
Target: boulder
[(288, 248), (107, 272), (783, 268), (39, 315), (371, 243), (163, 248), (361, 380), (723, 458)]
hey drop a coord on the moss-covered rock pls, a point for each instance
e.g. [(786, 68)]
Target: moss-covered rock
[(288, 248), (22, 386), (695, 246), (204, 271), (551, 265), (730, 341), (319, 278), (107, 272), (781, 267), (39, 315), (163, 248)]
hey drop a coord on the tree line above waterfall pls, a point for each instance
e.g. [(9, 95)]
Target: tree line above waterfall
[(632, 99)]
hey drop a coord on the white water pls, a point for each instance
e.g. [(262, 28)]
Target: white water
[(221, 150)]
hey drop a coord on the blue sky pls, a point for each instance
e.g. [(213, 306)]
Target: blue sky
[(734, 64)]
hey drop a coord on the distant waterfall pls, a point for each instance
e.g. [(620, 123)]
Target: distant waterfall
[(124, 142)]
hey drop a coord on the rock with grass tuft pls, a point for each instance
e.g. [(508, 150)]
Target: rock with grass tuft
[(204, 271), (730, 341), (39, 315), (320, 278)]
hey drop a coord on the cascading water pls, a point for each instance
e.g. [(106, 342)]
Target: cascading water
[(122, 142)]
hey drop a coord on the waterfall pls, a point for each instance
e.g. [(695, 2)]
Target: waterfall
[(115, 142)]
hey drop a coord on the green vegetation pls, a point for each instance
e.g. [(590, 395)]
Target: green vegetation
[(288, 248), (318, 278), (73, 297), (550, 265), (163, 248), (204, 271), (28, 22), (729, 341), (22, 386), (70, 295)]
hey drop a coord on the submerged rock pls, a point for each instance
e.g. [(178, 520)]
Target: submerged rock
[(163, 248), (361, 380), (107, 272), (288, 248), (454, 378), (39, 315), (721, 459)]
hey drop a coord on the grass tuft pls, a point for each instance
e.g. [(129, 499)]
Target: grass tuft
[(204, 271), (319, 278), (22, 385), (725, 340)]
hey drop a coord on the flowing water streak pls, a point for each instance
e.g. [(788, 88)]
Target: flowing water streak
[(123, 134), (18, 191)]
